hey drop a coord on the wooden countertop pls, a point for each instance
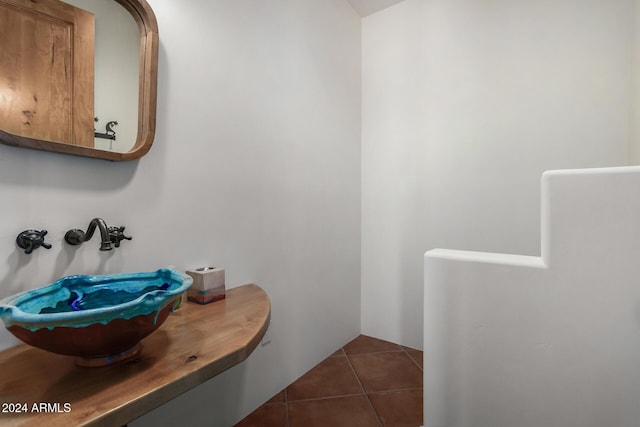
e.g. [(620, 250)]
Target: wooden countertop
[(195, 343)]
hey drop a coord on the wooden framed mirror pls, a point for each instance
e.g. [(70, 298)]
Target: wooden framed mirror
[(47, 78)]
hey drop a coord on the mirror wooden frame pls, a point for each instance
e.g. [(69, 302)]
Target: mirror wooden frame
[(147, 96)]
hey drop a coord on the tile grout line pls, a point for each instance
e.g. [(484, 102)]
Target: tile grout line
[(338, 396), (413, 360), (355, 374), (366, 395), (286, 406), (395, 390), (311, 399), (375, 352)]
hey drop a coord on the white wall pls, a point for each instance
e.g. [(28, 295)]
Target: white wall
[(550, 341), (255, 168), (465, 104)]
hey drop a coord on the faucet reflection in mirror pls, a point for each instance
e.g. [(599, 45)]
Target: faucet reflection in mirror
[(109, 133)]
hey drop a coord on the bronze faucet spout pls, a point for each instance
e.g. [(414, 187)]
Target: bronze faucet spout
[(76, 237)]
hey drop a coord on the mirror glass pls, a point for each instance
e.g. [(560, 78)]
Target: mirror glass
[(74, 69), (117, 53)]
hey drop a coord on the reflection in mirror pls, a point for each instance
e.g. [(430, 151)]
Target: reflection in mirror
[(47, 66), (117, 54), (56, 39)]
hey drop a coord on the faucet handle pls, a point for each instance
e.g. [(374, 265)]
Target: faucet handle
[(32, 239), (116, 234)]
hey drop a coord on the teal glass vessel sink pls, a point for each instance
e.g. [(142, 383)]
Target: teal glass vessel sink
[(98, 319)]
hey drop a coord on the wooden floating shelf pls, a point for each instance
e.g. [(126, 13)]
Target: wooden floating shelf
[(196, 343)]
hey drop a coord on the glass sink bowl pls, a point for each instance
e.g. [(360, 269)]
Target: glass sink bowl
[(98, 319)]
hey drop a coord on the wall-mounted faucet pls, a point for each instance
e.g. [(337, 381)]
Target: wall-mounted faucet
[(108, 235)]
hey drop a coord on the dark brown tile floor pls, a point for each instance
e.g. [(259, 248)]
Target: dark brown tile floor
[(368, 382)]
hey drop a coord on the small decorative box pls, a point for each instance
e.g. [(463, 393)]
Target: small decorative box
[(208, 285)]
